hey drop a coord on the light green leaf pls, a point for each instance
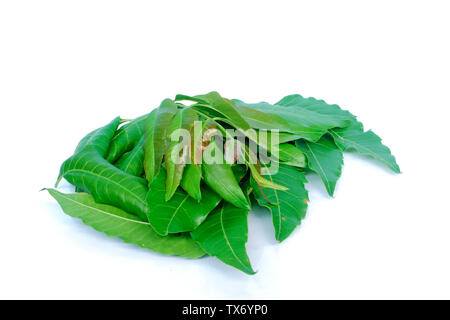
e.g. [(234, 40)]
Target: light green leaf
[(224, 235), (319, 106), (133, 162), (255, 171), (181, 213), (155, 137), (177, 154), (347, 137), (308, 124), (126, 138), (367, 143), (117, 223), (283, 137), (219, 107), (191, 180), (89, 171), (288, 208), (99, 139), (291, 155), (220, 178), (324, 158)]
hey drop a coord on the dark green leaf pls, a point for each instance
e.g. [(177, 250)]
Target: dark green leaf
[(224, 235), (117, 223)]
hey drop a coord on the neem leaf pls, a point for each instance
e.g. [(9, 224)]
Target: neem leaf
[(89, 171), (191, 180), (97, 141), (367, 143), (324, 158), (126, 138), (319, 106), (177, 154), (117, 223), (220, 178), (155, 137), (132, 161), (346, 137), (224, 235), (255, 171), (284, 137), (219, 105), (117, 201), (181, 213), (308, 124), (288, 207), (100, 138), (291, 155)]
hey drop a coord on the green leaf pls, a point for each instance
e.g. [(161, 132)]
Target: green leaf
[(182, 212), (155, 137), (255, 172), (349, 137), (288, 208), (100, 138), (239, 171), (122, 159), (307, 124), (283, 137), (367, 143), (191, 180), (126, 138), (324, 158), (220, 106), (177, 154), (290, 155), (89, 171), (117, 223), (220, 178), (224, 235), (319, 106), (133, 162)]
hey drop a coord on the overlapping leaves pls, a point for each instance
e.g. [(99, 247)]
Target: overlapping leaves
[(136, 180)]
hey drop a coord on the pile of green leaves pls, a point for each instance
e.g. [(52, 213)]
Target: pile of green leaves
[(128, 186)]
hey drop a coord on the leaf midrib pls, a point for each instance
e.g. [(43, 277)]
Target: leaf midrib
[(175, 213), (227, 241), (102, 211)]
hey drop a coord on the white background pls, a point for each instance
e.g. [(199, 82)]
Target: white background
[(67, 67)]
